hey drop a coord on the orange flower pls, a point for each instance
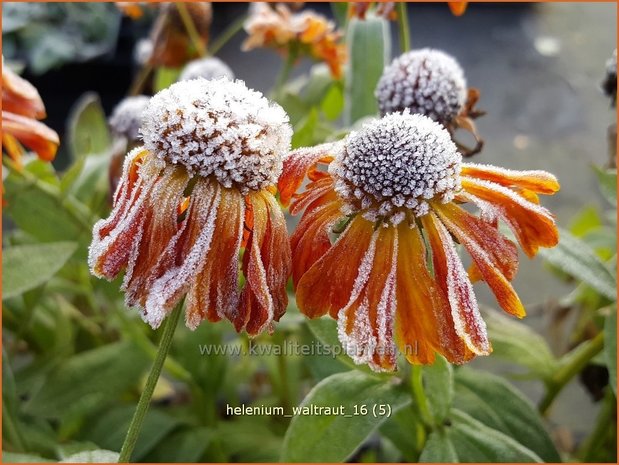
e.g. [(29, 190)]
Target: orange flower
[(131, 9), (309, 33), (21, 108), (191, 199), (394, 277), (457, 8)]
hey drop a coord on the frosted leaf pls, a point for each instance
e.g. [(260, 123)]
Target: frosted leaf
[(219, 128), (426, 81), (395, 165), (126, 119), (207, 68)]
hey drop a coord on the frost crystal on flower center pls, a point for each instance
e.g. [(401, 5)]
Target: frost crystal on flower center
[(395, 165), (219, 128), (207, 68), (426, 81)]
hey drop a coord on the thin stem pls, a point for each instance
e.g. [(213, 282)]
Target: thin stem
[(227, 34), (575, 362), (601, 430), (420, 396), (405, 37), (144, 402), (140, 79), (190, 27), (284, 73)]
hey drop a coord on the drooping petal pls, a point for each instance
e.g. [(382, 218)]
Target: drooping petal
[(19, 96), (214, 294), (452, 278), (326, 287), (296, 166), (495, 256), (365, 323), (266, 266), (533, 225), (537, 181), (35, 135), (424, 323)]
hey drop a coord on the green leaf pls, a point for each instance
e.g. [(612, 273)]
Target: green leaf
[(332, 104), (587, 220), (93, 456), (325, 329), (438, 448), (165, 77), (369, 49), (610, 347), (88, 132), (340, 12), (304, 131), (438, 385), (475, 442), (500, 406), (29, 266), (249, 440), (608, 184), (85, 382), (186, 445), (406, 431), (577, 259), (13, 457), (334, 438), (517, 343)]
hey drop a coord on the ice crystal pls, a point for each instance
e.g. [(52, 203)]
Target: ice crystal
[(207, 68), (394, 165), (426, 81), (219, 128), (126, 119)]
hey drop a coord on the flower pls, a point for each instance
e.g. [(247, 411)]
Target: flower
[(396, 189), (431, 83), (207, 68), (384, 10), (191, 199), (126, 118), (308, 33), (21, 108), (458, 8)]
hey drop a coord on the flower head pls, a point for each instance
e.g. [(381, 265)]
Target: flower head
[(308, 33), (395, 190), (21, 108), (207, 68), (195, 195), (431, 83), (126, 118)]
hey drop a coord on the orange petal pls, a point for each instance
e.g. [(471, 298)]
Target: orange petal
[(33, 134), (453, 279), (533, 225), (19, 96), (494, 255), (424, 323), (365, 323), (327, 285), (457, 8), (13, 149), (540, 182), (296, 166)]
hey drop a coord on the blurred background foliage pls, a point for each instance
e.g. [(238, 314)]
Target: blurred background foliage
[(75, 360)]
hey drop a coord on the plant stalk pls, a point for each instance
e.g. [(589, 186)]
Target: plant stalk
[(190, 27), (140, 412), (405, 35), (227, 34)]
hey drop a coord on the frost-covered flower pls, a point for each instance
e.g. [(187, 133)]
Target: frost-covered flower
[(21, 108), (431, 83), (126, 118), (306, 32), (197, 193), (207, 68), (396, 188)]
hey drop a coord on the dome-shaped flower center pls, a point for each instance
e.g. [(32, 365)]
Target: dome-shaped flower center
[(393, 166), (126, 119), (219, 128), (426, 81)]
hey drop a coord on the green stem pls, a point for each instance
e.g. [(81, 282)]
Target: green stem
[(601, 430), (143, 404), (282, 365), (190, 27), (284, 73), (227, 34), (139, 82), (575, 361), (405, 36), (420, 396)]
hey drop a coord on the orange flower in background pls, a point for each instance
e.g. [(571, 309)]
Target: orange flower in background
[(21, 108), (393, 276), (191, 199), (458, 8), (131, 9), (308, 33)]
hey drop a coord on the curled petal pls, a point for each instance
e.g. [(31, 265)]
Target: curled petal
[(296, 167), (453, 279), (533, 225), (19, 96), (33, 134), (365, 323), (328, 284), (540, 182), (495, 256)]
